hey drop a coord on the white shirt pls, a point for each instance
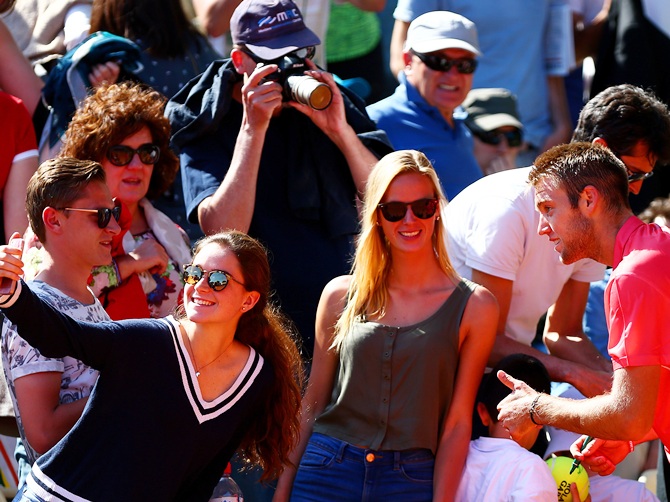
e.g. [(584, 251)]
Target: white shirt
[(492, 227)]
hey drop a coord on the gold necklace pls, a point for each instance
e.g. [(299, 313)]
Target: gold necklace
[(198, 369)]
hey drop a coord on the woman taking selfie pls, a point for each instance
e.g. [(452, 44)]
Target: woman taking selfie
[(176, 397), (401, 345)]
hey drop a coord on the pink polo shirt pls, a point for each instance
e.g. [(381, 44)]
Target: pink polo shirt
[(637, 302)]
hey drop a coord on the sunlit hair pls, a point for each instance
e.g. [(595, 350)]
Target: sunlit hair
[(575, 166), (368, 293), (623, 115), (274, 432), (115, 112), (58, 183)]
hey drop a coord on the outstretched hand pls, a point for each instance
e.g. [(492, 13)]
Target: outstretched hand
[(513, 411)]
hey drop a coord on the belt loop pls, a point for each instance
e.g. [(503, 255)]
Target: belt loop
[(396, 460), (340, 451)]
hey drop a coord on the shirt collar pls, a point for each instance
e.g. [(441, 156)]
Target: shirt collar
[(622, 237)]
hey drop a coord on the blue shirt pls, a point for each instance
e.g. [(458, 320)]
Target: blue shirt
[(412, 124), (513, 46)]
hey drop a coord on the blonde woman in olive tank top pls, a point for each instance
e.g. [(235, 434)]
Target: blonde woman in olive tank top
[(401, 345)]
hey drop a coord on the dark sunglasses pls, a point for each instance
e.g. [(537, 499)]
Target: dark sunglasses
[(122, 155), (441, 63), (302, 53), (104, 214), (396, 211), (514, 138), (638, 175), (216, 279)]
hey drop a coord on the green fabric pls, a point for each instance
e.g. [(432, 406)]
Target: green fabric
[(351, 32)]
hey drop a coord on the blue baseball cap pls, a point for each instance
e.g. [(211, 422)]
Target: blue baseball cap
[(270, 28)]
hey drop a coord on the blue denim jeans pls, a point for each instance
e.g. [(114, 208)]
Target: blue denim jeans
[(331, 469)]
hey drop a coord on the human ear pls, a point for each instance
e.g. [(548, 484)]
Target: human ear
[(51, 219), (484, 414), (251, 300), (237, 57), (589, 197)]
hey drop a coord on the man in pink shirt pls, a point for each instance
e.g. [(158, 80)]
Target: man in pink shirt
[(582, 196)]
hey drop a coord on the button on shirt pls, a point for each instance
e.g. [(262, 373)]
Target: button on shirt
[(411, 123), (395, 384)]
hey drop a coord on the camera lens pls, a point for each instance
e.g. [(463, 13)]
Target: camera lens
[(309, 91)]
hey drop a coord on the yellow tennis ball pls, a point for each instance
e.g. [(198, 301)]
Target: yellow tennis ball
[(560, 469)]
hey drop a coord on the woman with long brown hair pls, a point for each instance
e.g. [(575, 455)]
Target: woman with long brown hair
[(177, 396)]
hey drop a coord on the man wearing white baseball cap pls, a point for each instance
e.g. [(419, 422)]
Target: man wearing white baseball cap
[(424, 112)]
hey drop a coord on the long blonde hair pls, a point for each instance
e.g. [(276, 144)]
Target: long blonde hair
[(368, 292)]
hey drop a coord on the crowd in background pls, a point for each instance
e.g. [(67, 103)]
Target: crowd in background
[(379, 223)]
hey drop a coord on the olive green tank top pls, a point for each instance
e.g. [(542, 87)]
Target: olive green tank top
[(394, 385)]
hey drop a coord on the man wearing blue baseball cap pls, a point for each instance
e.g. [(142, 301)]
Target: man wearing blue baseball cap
[(255, 159)]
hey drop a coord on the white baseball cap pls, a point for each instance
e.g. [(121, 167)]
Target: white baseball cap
[(438, 30)]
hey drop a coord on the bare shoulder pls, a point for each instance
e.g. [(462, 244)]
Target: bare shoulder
[(481, 303), (335, 292)]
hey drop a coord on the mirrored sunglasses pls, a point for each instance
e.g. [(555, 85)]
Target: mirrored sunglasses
[(122, 155), (104, 214), (216, 279), (396, 211), (514, 138), (437, 62)]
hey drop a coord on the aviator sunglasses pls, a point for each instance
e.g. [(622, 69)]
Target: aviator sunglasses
[(396, 211), (514, 138), (216, 279), (437, 62), (104, 214), (122, 155)]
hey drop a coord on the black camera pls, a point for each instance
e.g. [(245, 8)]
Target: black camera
[(298, 86)]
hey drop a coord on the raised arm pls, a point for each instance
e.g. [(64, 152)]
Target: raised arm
[(232, 205), (17, 76)]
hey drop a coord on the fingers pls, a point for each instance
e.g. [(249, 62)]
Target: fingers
[(105, 73), (507, 380)]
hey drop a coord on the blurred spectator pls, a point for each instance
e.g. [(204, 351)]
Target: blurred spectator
[(45, 30), (424, 113), (513, 57), (16, 75), (634, 49), (18, 162), (354, 44), (494, 123)]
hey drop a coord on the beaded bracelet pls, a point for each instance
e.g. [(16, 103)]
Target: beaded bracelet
[(532, 410)]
